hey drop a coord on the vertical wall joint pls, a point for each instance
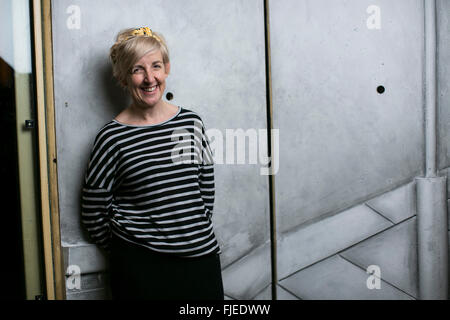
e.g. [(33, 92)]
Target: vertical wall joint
[(432, 190), (270, 148)]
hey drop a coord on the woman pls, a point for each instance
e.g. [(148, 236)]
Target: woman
[(148, 194)]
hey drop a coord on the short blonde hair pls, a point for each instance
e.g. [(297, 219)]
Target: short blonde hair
[(129, 48)]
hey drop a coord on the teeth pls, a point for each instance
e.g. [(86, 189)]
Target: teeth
[(151, 89)]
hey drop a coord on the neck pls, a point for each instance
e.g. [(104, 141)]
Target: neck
[(149, 113)]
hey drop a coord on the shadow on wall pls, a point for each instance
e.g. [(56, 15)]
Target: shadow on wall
[(116, 99), (113, 93)]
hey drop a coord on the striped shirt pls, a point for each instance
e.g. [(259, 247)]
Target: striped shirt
[(153, 186)]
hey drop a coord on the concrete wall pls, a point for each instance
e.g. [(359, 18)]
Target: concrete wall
[(344, 192), (443, 38), (346, 196), (325, 83)]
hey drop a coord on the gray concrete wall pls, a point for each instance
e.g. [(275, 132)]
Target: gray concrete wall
[(350, 206), (345, 190), (443, 41), (341, 142)]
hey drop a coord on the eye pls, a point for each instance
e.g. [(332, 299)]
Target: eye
[(137, 70)]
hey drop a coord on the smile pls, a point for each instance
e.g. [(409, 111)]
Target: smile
[(149, 89)]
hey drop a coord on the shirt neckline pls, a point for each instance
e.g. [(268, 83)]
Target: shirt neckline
[(148, 125)]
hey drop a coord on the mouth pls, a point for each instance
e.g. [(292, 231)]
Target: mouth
[(149, 89)]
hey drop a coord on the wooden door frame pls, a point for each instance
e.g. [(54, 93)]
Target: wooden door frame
[(43, 57)]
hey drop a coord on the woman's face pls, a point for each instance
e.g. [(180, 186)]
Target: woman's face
[(148, 79)]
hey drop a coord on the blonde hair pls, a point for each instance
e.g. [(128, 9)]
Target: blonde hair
[(131, 45)]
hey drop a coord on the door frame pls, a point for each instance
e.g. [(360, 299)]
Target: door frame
[(43, 58)]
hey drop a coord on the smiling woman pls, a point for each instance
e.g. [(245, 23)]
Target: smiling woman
[(149, 210), (146, 85), (141, 64)]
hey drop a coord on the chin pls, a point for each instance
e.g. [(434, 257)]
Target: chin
[(147, 102)]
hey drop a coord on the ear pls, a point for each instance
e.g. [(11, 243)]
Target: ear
[(167, 67)]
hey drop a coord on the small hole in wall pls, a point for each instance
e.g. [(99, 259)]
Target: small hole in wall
[(169, 96), (380, 89)]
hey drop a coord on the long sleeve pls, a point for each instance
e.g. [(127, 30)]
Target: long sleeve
[(96, 205), (206, 174), (97, 197)]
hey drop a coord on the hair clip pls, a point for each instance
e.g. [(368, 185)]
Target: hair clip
[(144, 31)]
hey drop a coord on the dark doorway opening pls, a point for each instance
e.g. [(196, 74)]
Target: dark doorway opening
[(12, 266)]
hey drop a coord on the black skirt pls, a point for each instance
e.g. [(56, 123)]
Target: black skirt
[(141, 274)]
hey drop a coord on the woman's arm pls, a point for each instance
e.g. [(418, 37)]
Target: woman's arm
[(96, 204), (97, 196), (206, 174)]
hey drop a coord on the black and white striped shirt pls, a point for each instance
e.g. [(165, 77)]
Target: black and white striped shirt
[(153, 186)]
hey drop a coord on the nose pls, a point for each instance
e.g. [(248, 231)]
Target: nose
[(149, 76)]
